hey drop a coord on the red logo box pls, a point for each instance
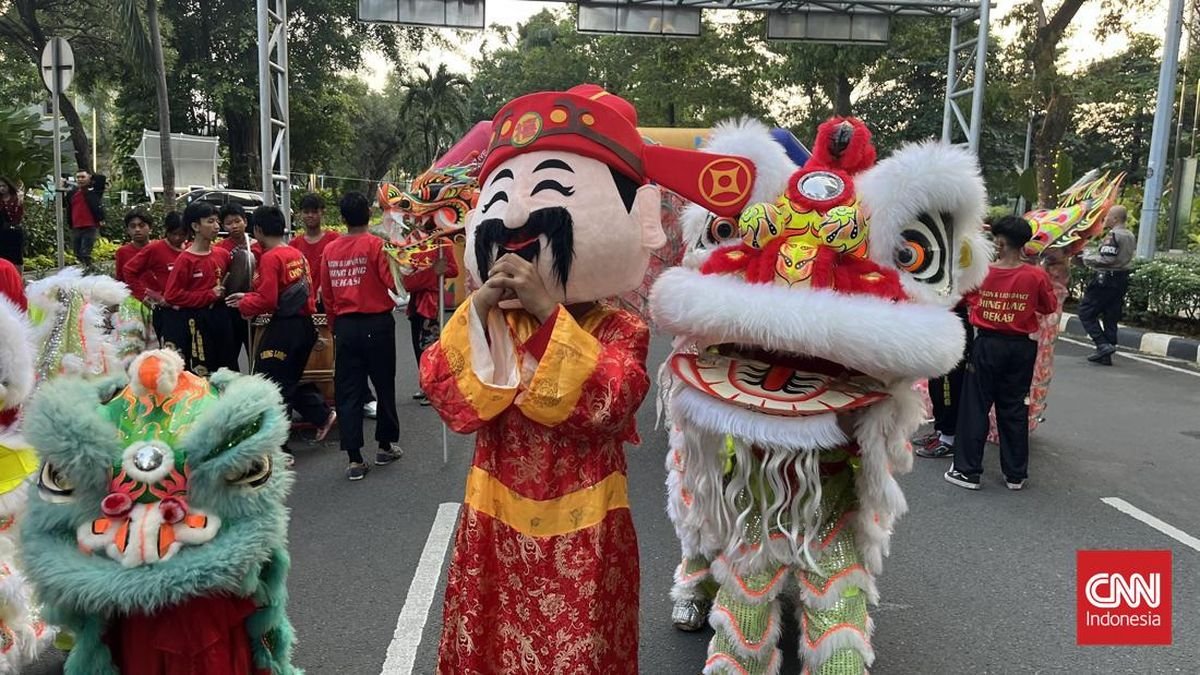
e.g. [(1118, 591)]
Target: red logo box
[(1123, 597)]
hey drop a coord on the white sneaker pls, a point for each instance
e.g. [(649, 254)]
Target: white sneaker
[(370, 409)]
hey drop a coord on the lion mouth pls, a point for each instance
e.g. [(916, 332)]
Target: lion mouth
[(777, 383)]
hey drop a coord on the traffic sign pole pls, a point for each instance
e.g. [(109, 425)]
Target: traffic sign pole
[(58, 68), (56, 60)]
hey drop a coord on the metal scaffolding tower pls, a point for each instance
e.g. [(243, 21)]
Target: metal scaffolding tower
[(965, 77), (273, 104)]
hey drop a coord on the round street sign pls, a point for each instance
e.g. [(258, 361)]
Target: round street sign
[(57, 57)]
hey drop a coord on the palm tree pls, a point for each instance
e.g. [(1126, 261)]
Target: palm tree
[(436, 104), (145, 47)]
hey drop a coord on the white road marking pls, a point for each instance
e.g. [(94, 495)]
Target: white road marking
[(402, 653), (1166, 528), (1127, 355)]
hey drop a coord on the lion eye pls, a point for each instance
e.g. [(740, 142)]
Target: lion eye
[(256, 476), (53, 486)]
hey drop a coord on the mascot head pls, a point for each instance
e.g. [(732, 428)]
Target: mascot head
[(567, 183)]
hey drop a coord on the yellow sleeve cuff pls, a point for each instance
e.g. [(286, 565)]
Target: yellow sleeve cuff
[(486, 374), (557, 382)]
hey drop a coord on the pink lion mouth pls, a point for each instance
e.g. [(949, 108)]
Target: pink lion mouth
[(777, 383)]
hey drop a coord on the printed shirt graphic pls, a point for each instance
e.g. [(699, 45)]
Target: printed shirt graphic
[(279, 268), (355, 277), (1010, 300), (194, 277)]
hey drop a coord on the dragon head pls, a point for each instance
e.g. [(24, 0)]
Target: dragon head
[(820, 299), (166, 487)]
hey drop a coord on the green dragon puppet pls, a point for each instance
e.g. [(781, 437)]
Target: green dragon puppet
[(157, 531)]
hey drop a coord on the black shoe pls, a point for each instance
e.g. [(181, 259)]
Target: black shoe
[(1014, 484), (357, 471), (1103, 350), (962, 480), (387, 455), (419, 396), (936, 451), (1102, 361)]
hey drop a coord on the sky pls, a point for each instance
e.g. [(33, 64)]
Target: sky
[(1082, 47)]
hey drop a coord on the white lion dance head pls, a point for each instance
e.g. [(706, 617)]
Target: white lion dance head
[(802, 327)]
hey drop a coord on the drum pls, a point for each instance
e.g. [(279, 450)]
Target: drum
[(319, 369)]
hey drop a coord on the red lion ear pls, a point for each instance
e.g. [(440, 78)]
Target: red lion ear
[(843, 143)]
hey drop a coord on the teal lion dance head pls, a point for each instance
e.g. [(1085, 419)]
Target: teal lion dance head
[(157, 491)]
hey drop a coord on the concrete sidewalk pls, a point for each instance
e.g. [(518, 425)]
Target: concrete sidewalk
[(1158, 344)]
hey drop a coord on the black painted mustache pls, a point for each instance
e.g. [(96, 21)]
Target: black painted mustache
[(555, 223)]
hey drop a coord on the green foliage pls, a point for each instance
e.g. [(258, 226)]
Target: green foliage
[(26, 152), (1165, 288), (435, 108)]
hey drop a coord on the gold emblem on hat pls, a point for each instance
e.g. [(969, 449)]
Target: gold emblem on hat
[(527, 129), (725, 181)]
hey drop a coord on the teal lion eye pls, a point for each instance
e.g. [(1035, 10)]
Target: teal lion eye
[(241, 434)]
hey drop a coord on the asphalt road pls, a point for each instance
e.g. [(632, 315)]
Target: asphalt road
[(979, 582)]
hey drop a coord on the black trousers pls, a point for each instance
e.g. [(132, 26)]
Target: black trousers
[(424, 333), (204, 337), (1102, 305), (241, 335), (83, 240), (945, 392), (281, 356), (365, 349), (999, 373)]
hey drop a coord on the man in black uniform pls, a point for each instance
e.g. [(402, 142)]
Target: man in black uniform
[(1104, 298)]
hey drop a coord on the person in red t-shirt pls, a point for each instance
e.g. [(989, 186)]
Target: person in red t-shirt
[(200, 329), (147, 273), (12, 286), (314, 240), (137, 226), (356, 280), (1002, 359), (423, 287), (244, 254), (283, 288)]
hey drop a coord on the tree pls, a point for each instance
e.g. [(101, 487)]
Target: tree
[(147, 50), (26, 155), (27, 25), (436, 102)]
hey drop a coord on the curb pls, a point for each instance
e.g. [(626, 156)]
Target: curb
[(1158, 344)]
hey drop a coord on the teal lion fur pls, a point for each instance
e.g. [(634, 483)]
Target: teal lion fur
[(247, 557)]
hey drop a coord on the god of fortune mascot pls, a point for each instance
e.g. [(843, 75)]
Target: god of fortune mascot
[(703, 232), (800, 338), (157, 531), (544, 576), (23, 635)]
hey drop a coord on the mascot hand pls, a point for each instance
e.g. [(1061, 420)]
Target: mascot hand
[(520, 276)]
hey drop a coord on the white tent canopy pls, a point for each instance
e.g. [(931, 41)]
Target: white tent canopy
[(196, 159)]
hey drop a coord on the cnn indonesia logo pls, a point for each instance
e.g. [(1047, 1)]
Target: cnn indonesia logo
[(1123, 597)]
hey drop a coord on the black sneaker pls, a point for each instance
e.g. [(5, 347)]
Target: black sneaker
[(388, 455), (928, 440), (936, 451), (419, 396), (1015, 484), (1103, 360), (962, 480), (357, 471), (1103, 351)]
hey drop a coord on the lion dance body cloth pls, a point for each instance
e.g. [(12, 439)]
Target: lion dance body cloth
[(800, 329), (157, 531), (544, 576)]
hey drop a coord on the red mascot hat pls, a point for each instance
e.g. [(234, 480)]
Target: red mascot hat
[(587, 120)]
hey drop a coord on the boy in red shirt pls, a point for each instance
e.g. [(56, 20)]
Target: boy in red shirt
[(356, 280), (244, 254), (146, 274), (1002, 359), (423, 287), (137, 226), (312, 244), (200, 329), (283, 288)]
